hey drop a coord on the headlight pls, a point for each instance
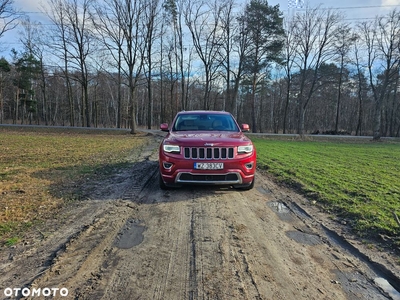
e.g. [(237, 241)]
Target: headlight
[(172, 148), (245, 149)]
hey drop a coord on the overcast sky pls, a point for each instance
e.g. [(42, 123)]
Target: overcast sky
[(355, 10), (361, 6), (358, 7)]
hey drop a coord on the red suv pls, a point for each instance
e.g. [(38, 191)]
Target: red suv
[(206, 147)]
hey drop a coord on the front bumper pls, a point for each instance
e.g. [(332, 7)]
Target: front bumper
[(208, 178), (181, 171)]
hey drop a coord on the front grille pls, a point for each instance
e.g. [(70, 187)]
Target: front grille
[(208, 153), (204, 178)]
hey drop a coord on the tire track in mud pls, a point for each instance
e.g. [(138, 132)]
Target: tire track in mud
[(220, 269), (81, 262), (97, 268), (85, 258), (193, 292), (246, 269), (142, 182), (176, 252), (179, 275), (163, 266)]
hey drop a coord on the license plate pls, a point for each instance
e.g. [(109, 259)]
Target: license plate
[(208, 166)]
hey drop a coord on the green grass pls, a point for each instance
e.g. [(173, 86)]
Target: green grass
[(355, 180), (12, 241)]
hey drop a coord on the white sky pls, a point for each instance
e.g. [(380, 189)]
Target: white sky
[(360, 7)]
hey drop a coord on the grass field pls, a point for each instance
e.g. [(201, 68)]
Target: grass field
[(33, 164), (357, 180)]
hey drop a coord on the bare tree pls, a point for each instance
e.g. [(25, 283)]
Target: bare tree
[(151, 12), (129, 15), (175, 9), (80, 44), (382, 41), (228, 32), (360, 80), (343, 43), (73, 20), (113, 39), (208, 56), (59, 45), (169, 58), (290, 47), (123, 23), (203, 20), (315, 34), (8, 16)]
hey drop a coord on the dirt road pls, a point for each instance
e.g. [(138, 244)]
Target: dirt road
[(130, 240)]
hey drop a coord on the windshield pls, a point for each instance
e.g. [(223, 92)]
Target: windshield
[(205, 122)]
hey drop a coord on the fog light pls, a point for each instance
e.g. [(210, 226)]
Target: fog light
[(167, 165), (249, 165)]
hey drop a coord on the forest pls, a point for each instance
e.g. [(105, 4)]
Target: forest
[(136, 63)]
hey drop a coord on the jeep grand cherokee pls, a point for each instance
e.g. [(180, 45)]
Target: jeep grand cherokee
[(206, 147)]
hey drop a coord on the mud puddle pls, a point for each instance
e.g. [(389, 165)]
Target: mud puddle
[(281, 210), (387, 287), (131, 235)]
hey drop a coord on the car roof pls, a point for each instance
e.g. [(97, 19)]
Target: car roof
[(221, 112)]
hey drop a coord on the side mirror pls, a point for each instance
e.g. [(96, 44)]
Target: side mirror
[(164, 127), (245, 127)]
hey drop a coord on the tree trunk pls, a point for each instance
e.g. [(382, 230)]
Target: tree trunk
[(286, 105), (339, 96), (132, 112), (253, 105), (377, 120)]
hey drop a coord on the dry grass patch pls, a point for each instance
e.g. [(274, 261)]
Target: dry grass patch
[(32, 162)]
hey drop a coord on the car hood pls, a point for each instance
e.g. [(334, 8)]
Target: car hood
[(217, 138)]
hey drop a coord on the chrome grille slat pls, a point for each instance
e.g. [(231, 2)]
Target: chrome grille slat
[(208, 153)]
